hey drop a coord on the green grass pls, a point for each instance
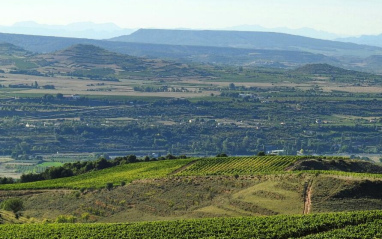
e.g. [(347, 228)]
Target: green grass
[(115, 175), (250, 227)]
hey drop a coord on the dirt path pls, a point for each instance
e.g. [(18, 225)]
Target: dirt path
[(308, 198), (183, 167)]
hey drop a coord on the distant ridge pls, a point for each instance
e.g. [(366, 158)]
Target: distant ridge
[(372, 40), (348, 55), (242, 39)]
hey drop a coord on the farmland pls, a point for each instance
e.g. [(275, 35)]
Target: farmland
[(312, 226), (230, 166), (83, 103), (107, 105), (240, 165)]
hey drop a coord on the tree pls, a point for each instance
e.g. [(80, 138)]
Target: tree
[(102, 163), (261, 153), (59, 96), (13, 204), (146, 158)]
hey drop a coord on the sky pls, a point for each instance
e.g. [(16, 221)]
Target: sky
[(344, 17)]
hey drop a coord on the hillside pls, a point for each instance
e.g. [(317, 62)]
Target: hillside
[(83, 60), (242, 39), (205, 197), (209, 187), (7, 49), (324, 69), (88, 57)]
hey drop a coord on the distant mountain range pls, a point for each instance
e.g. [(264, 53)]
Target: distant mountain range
[(372, 40), (78, 30), (306, 32)]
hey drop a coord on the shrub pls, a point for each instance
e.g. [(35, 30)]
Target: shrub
[(66, 219), (261, 153), (222, 155), (109, 186)]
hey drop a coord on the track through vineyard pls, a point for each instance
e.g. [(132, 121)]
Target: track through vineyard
[(308, 198)]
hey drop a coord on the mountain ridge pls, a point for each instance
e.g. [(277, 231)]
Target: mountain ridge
[(241, 39)]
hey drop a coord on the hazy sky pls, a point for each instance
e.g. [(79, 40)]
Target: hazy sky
[(346, 17)]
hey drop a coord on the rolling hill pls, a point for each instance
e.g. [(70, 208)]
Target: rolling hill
[(266, 49), (324, 69), (7, 49), (84, 60)]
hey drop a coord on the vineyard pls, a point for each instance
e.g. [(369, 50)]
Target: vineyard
[(366, 230), (240, 165), (364, 224), (116, 175)]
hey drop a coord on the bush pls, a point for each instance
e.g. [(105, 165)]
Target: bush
[(109, 186), (222, 155), (66, 219)]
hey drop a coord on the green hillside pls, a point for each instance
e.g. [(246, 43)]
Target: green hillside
[(116, 175), (229, 166)]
